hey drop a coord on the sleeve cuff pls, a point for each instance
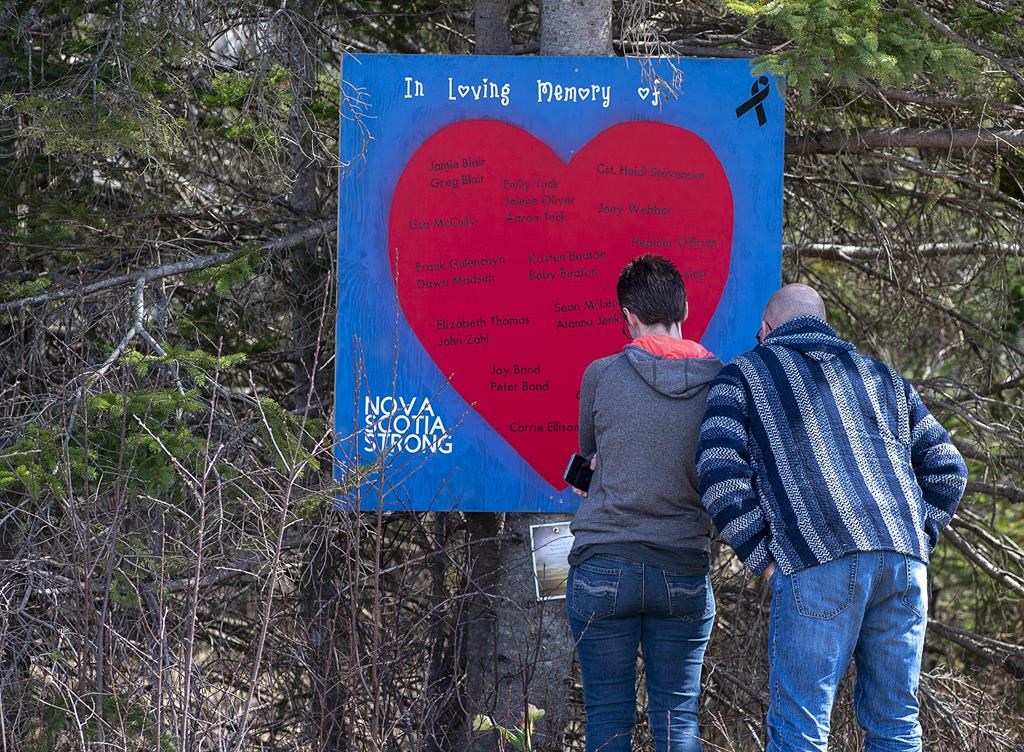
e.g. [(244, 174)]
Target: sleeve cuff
[(758, 560)]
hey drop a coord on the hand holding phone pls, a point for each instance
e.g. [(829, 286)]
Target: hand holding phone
[(578, 473)]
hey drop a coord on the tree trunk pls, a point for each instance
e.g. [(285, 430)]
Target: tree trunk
[(311, 270), (478, 626), (576, 27), (443, 726), (517, 651), (491, 26), (529, 659), (534, 648)]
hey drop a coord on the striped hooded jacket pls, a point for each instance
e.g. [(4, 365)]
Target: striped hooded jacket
[(810, 451)]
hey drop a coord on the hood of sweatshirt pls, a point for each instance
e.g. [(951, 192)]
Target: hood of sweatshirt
[(674, 367), (810, 336)]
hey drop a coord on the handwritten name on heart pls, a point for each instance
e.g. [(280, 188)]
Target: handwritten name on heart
[(505, 259)]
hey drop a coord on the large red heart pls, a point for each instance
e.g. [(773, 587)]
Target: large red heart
[(506, 259)]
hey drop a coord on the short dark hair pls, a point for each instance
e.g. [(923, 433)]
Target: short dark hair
[(652, 288)]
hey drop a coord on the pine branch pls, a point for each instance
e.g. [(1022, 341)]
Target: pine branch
[(1000, 9), (972, 46), (292, 240)]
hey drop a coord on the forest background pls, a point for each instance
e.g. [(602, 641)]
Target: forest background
[(172, 573)]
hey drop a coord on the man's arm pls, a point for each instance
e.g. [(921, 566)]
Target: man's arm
[(726, 474), (940, 470)]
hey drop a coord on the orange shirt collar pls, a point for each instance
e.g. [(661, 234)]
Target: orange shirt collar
[(665, 346)]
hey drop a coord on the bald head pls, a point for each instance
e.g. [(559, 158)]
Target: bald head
[(792, 301)]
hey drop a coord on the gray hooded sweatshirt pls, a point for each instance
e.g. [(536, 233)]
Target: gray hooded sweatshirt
[(640, 413)]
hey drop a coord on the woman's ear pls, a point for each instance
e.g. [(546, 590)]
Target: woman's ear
[(686, 310)]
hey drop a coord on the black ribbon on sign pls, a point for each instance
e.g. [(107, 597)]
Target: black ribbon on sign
[(756, 102)]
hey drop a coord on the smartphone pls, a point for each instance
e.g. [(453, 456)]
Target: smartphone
[(578, 472)]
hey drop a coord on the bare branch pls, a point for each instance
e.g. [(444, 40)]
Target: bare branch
[(1005, 490), (840, 252), (178, 267), (1006, 655), (1009, 580), (860, 140), (942, 101)]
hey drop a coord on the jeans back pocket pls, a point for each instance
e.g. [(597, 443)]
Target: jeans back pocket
[(825, 590), (689, 596), (594, 591), (915, 597)]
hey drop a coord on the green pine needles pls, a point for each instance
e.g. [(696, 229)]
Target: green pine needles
[(849, 40)]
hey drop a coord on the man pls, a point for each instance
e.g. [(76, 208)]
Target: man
[(825, 472)]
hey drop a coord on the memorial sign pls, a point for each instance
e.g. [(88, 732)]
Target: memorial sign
[(487, 206)]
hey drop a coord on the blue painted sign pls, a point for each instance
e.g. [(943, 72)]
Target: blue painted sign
[(487, 206)]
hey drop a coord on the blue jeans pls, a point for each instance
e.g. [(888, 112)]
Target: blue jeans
[(867, 607), (614, 607)]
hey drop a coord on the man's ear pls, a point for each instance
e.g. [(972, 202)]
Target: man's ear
[(686, 311), (631, 318)]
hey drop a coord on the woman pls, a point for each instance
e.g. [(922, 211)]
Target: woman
[(639, 563)]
